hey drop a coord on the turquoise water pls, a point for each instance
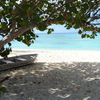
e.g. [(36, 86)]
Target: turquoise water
[(66, 41)]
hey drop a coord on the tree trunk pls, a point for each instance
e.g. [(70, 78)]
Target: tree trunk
[(12, 36)]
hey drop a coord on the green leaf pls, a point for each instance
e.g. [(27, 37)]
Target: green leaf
[(50, 30), (80, 31), (83, 35), (9, 44), (42, 27)]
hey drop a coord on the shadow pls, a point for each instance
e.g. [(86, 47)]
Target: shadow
[(17, 61), (54, 81)]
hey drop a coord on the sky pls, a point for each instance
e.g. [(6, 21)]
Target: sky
[(57, 29)]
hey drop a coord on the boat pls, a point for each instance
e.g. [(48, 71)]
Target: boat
[(17, 61)]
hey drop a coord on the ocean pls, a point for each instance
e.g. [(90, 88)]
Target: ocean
[(61, 41)]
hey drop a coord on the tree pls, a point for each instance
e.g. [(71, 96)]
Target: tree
[(18, 18)]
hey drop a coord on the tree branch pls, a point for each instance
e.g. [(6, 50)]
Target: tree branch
[(12, 36), (95, 23)]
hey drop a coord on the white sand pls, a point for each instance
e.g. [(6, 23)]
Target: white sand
[(55, 75), (62, 55)]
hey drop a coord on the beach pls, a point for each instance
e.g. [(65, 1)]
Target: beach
[(59, 56), (55, 75)]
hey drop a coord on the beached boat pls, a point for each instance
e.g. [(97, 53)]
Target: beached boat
[(17, 61)]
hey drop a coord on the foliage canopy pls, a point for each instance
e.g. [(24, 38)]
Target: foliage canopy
[(18, 18)]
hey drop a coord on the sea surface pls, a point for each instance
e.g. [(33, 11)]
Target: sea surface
[(61, 41)]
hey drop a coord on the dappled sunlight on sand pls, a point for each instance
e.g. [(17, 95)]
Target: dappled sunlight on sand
[(54, 81)]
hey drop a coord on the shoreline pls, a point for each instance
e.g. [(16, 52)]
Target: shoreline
[(60, 56), (16, 49)]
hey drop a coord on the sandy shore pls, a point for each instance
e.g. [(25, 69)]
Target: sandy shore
[(60, 56), (55, 75)]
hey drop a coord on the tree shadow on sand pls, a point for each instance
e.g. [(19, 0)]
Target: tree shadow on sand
[(54, 81)]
